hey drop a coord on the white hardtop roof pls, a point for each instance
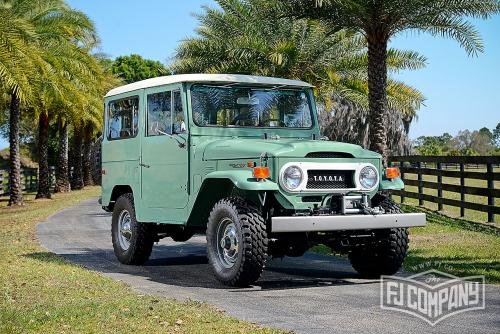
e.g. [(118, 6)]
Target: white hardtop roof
[(208, 78)]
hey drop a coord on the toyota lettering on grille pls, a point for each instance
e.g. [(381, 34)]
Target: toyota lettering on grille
[(328, 178)]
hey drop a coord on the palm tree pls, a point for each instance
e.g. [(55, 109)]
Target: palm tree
[(241, 37), (86, 121), (92, 125), (43, 41), (378, 21), (66, 37), (20, 62), (76, 155), (62, 168)]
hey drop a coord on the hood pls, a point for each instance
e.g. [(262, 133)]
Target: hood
[(247, 148)]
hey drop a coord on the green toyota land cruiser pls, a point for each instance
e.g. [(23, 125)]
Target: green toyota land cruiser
[(241, 159)]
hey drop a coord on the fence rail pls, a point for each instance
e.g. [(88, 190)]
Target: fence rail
[(29, 179), (439, 166)]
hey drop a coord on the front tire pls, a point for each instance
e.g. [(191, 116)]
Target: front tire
[(386, 253), (132, 240), (236, 242)]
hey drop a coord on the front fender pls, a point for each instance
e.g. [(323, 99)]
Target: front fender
[(393, 184), (244, 180)]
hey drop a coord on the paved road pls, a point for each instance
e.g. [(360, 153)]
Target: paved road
[(311, 294)]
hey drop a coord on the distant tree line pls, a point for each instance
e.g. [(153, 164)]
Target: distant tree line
[(476, 142)]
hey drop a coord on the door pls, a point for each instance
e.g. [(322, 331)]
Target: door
[(164, 151)]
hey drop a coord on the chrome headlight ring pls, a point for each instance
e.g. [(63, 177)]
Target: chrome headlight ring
[(368, 177), (292, 177)]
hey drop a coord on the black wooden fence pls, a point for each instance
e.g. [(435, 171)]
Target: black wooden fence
[(459, 167), (29, 179), (29, 176)]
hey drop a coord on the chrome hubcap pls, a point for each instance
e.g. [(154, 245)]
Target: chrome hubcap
[(227, 242), (124, 229)]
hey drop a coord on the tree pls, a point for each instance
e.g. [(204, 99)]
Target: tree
[(378, 21), (62, 168), (433, 145), (20, 63), (66, 36), (76, 156), (241, 37), (135, 68), (496, 135), (481, 143), (487, 133)]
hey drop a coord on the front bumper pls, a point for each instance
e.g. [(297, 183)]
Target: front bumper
[(346, 222)]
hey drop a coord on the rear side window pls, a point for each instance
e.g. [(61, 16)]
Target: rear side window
[(123, 118)]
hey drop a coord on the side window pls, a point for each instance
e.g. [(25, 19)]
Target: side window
[(159, 114), (123, 118), (178, 124)]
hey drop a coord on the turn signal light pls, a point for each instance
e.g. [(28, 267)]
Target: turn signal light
[(392, 172), (261, 172)]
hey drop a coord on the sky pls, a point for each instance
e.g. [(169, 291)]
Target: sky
[(462, 92)]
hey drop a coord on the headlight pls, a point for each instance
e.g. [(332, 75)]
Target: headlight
[(292, 177), (368, 177)]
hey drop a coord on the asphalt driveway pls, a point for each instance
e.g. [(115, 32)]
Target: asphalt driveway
[(310, 294)]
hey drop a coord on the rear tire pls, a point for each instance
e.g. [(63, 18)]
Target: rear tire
[(132, 240), (385, 255), (236, 242)]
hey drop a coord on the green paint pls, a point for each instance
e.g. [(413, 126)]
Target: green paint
[(176, 178)]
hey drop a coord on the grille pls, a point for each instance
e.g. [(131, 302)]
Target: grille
[(330, 179), (329, 155)]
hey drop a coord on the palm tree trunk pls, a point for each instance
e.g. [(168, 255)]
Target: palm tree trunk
[(406, 124), (77, 179), (43, 156), (377, 93), (62, 169), (87, 150), (15, 186)]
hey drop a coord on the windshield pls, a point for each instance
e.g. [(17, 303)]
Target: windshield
[(238, 106)]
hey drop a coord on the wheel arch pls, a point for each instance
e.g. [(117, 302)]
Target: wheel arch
[(210, 192), (117, 191)]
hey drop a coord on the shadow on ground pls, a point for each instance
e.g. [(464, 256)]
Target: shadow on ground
[(187, 266)]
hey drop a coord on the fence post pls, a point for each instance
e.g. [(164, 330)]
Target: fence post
[(401, 169), (1, 182), (52, 176), (23, 180), (462, 190), (420, 187), (491, 186), (440, 185)]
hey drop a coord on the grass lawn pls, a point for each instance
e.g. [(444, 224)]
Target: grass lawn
[(455, 246), (44, 293)]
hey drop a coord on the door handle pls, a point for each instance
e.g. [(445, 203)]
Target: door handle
[(144, 165)]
